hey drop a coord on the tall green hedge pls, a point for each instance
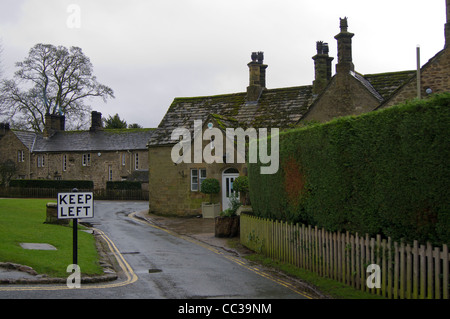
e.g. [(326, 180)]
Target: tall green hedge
[(385, 172), (47, 183)]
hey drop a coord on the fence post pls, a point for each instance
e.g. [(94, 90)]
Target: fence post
[(445, 282), (384, 273), (437, 273), (430, 270), (408, 271), (415, 273), (357, 262), (422, 272)]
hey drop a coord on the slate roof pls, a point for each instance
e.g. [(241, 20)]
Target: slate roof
[(86, 141), (367, 85), (387, 83), (27, 138), (281, 108)]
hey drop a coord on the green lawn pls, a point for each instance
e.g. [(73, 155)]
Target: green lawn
[(22, 221)]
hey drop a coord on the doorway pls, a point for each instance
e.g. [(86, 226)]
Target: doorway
[(228, 177)]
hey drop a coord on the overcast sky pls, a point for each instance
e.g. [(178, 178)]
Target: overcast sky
[(151, 51)]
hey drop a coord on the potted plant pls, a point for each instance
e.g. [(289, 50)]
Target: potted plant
[(227, 224), (210, 186), (240, 184)]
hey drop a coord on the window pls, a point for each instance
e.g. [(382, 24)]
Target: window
[(40, 161), (20, 156), (124, 157), (197, 177), (64, 163), (86, 160), (136, 161), (110, 173)]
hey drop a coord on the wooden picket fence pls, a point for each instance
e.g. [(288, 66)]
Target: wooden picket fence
[(406, 272)]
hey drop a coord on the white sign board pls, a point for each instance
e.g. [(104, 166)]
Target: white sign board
[(75, 205)]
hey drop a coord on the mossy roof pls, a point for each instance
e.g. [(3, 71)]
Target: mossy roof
[(387, 83), (86, 141), (280, 108)]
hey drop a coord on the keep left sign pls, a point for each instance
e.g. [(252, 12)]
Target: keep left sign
[(75, 205)]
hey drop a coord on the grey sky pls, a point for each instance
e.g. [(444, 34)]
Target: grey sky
[(151, 51)]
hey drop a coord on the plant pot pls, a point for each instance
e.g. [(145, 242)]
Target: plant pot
[(210, 210), (227, 226)]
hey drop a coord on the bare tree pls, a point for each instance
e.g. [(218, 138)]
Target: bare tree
[(51, 80)]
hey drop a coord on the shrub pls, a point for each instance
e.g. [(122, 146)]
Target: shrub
[(210, 186), (240, 184), (47, 183), (384, 172)]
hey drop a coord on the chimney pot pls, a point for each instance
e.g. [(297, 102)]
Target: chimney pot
[(53, 123), (4, 128), (322, 67), (96, 121), (447, 24), (257, 76), (344, 41)]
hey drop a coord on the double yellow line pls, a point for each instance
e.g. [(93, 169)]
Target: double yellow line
[(131, 277), (236, 260)]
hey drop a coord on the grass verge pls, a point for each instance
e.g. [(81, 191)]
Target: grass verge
[(329, 287), (22, 221)]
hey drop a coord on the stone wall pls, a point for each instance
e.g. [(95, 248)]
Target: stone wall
[(170, 185), (97, 170), (10, 146), (344, 96), (434, 75)]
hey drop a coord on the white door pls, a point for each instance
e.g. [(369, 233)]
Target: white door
[(228, 178)]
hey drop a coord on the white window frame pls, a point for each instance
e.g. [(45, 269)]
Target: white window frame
[(20, 156), (198, 175), (136, 161), (41, 161), (86, 161), (64, 163)]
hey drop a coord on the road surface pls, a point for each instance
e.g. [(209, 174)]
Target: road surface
[(159, 264)]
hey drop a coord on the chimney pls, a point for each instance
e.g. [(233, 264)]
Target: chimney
[(4, 128), (257, 77), (96, 122), (344, 40), (447, 24), (322, 67), (53, 123)]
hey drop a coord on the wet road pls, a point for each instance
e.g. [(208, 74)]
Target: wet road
[(160, 264)]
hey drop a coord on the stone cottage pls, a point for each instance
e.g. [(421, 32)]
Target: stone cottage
[(175, 186), (96, 154)]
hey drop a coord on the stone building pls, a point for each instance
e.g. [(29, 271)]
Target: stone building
[(98, 155), (174, 187)]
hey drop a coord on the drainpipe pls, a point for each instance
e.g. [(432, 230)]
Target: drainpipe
[(419, 95)]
